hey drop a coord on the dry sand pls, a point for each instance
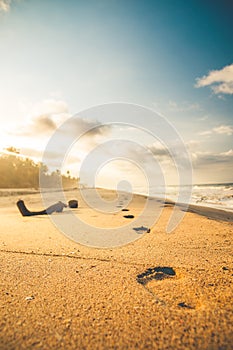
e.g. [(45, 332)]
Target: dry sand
[(163, 291)]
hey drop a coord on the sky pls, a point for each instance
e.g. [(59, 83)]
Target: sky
[(60, 57)]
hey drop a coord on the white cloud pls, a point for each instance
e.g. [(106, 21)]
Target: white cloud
[(43, 118), (192, 145), (158, 150), (183, 107), (50, 106), (223, 88), (205, 133), (5, 5), (207, 158), (43, 124), (228, 153), (221, 81), (34, 128), (46, 124), (222, 129)]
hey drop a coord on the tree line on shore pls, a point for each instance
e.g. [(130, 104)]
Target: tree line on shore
[(17, 171)]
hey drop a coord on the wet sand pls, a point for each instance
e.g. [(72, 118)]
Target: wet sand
[(163, 291)]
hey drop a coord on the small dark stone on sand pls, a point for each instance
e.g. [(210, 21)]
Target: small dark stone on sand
[(183, 304), (225, 268), (129, 216), (73, 203), (124, 209)]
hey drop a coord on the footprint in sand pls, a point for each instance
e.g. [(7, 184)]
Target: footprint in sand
[(155, 273), (142, 229), (167, 288)]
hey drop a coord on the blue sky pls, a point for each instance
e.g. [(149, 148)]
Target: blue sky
[(70, 55)]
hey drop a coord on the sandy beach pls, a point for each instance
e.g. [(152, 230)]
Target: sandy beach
[(162, 291)]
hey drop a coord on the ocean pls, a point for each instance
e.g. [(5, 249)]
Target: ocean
[(219, 195)]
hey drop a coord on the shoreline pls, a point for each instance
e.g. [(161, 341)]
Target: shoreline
[(209, 211)]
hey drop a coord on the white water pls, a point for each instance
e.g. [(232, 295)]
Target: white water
[(218, 196)]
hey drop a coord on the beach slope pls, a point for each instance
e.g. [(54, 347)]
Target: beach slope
[(163, 291)]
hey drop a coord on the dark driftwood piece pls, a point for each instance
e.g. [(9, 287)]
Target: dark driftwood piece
[(57, 207)]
